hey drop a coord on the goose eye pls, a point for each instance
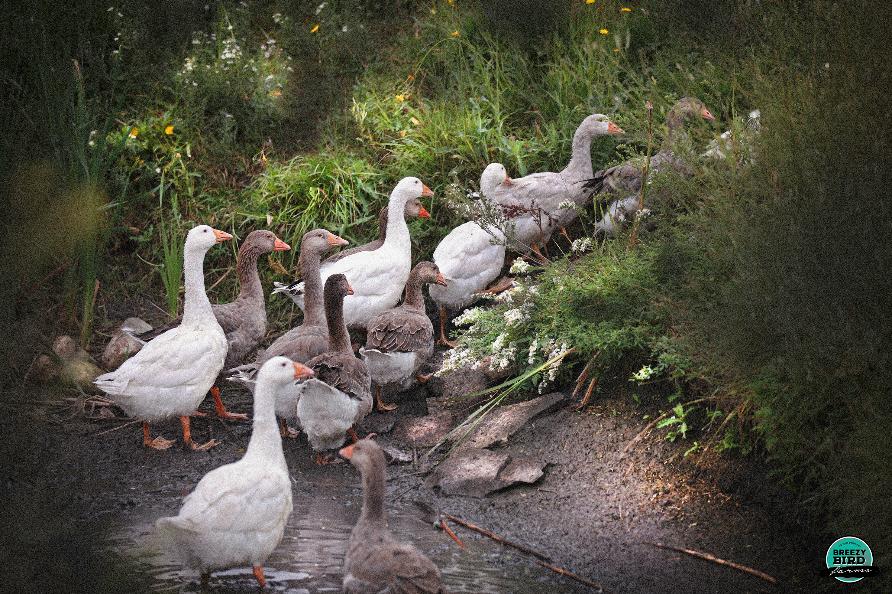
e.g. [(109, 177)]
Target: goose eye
[(284, 364), (205, 231)]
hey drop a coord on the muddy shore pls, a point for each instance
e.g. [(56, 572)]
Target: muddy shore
[(78, 506)]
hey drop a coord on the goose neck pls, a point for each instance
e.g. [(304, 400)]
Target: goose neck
[(373, 481), (414, 295), (397, 234), (338, 336), (266, 442), (581, 160), (314, 312), (197, 307), (250, 287)]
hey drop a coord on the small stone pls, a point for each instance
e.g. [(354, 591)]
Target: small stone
[(124, 344)]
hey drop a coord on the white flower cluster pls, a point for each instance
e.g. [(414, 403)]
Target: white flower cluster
[(514, 317), (231, 50), (468, 317), (519, 266), (581, 245), (502, 355), (458, 358), (553, 351), (644, 374)]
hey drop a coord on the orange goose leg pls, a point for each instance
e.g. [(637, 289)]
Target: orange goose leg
[(287, 431), (187, 438), (380, 405), (258, 574), (222, 413), (443, 341), (159, 443)]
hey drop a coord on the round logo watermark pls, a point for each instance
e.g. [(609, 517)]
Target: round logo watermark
[(849, 559)]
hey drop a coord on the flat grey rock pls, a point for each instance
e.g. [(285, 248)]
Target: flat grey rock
[(505, 421), (522, 469), (472, 472), (422, 432), (378, 423)]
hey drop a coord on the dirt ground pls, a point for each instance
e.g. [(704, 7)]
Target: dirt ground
[(66, 480)]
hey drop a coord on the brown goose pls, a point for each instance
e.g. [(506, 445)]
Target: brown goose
[(400, 340), (243, 320), (307, 340), (376, 562), (340, 396), (414, 208), (626, 177)]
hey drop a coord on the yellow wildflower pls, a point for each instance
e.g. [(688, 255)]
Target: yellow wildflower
[(450, 2), (315, 28), (400, 98), (625, 9), (276, 93), (603, 31), (616, 50), (134, 132), (402, 133), (455, 33), (589, 1), (169, 129)]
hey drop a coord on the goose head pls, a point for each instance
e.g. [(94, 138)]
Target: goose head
[(688, 108), (203, 237), (281, 371), (337, 287), (409, 188), (427, 273), (365, 455), (414, 208), (320, 241), (493, 176), (599, 124), (264, 242)]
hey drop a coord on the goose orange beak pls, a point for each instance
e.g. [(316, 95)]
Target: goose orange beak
[(347, 452), (221, 235), (441, 280), (349, 289), (302, 371), (707, 115), (335, 241), (614, 129), (426, 191), (280, 246), (422, 212)]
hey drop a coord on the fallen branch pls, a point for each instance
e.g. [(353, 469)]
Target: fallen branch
[(561, 571), (496, 537), (127, 424), (714, 559)]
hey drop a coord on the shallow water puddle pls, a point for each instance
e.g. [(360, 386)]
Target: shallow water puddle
[(311, 555)]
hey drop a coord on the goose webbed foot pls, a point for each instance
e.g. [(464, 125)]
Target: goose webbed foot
[(380, 405), (187, 438), (423, 378), (220, 408), (501, 285), (286, 431), (158, 443)]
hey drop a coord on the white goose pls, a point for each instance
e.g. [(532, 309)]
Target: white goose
[(470, 257), (171, 375), (533, 202), (237, 513), (377, 276), (329, 406)]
